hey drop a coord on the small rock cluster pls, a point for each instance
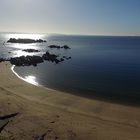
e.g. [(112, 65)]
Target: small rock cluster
[(59, 47)]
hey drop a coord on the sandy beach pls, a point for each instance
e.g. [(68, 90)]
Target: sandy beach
[(54, 115)]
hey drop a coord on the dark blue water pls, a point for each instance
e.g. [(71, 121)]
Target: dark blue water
[(101, 66)]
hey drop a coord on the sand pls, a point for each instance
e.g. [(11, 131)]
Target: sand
[(55, 115)]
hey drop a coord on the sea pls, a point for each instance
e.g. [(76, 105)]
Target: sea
[(102, 67)]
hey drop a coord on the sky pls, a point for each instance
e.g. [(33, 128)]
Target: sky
[(84, 17)]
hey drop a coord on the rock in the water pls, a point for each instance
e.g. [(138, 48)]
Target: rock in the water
[(54, 46), (50, 57), (59, 47), (14, 40), (30, 50), (66, 47), (26, 60), (62, 59)]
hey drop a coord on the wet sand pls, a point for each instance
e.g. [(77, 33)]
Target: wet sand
[(55, 115)]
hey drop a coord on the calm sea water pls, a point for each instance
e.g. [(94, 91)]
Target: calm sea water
[(101, 66)]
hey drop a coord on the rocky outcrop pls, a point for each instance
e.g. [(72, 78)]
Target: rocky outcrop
[(30, 50), (59, 47), (19, 40), (67, 58), (26, 60), (34, 60), (66, 47), (48, 56), (54, 46)]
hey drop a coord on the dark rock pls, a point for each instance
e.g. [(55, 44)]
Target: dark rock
[(56, 61), (30, 50), (59, 47), (62, 59), (50, 57), (14, 40), (66, 47), (54, 46), (68, 58), (26, 60)]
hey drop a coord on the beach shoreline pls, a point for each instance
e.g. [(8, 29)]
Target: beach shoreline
[(61, 115)]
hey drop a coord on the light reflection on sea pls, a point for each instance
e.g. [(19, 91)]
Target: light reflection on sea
[(31, 79), (21, 35), (16, 49)]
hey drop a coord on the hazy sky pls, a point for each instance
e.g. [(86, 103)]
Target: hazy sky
[(107, 17)]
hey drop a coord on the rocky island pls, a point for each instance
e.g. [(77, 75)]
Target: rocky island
[(25, 40)]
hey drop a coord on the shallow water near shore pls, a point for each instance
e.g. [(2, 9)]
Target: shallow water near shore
[(101, 66)]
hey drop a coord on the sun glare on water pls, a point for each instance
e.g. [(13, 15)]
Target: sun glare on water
[(25, 36), (31, 79)]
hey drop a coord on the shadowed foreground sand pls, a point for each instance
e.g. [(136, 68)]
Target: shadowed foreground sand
[(61, 116)]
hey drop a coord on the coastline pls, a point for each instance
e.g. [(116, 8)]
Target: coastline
[(62, 115), (38, 85)]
